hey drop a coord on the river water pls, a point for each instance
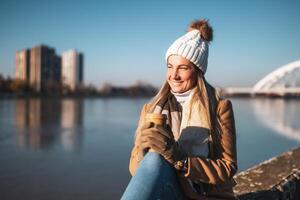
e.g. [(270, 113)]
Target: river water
[(79, 149)]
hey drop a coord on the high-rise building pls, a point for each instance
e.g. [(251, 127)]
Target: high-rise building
[(23, 65), (45, 67), (72, 69)]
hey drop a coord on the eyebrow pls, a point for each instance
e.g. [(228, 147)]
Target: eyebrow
[(181, 65)]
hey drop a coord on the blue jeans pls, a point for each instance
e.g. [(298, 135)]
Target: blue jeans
[(155, 179)]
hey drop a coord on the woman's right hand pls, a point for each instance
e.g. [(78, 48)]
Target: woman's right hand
[(141, 137)]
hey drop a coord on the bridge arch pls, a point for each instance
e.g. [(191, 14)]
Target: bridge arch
[(272, 78)]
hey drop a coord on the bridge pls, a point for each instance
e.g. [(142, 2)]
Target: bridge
[(284, 81)]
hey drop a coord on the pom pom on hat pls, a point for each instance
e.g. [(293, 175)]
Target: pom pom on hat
[(194, 44), (204, 28)]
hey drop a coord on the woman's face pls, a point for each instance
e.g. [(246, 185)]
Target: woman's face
[(181, 74)]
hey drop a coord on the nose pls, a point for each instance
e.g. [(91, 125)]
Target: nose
[(174, 74)]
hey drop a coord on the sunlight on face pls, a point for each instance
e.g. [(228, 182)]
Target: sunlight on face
[(181, 74)]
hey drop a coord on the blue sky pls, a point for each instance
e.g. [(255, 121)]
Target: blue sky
[(126, 41)]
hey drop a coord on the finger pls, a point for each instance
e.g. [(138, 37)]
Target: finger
[(156, 137), (157, 148), (147, 125), (145, 145), (149, 145), (163, 131), (148, 140), (148, 134), (148, 131), (157, 140), (154, 133), (157, 144)]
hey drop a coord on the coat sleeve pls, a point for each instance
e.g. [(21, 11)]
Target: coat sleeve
[(136, 155), (223, 166)]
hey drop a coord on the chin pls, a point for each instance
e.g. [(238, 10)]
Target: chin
[(177, 90)]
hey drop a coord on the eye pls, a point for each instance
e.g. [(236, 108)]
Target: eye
[(169, 66), (184, 67)]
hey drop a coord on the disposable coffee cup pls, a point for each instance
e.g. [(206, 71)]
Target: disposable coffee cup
[(156, 118)]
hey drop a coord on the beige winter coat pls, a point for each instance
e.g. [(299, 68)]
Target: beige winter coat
[(218, 170)]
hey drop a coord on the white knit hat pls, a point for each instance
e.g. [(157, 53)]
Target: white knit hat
[(192, 47)]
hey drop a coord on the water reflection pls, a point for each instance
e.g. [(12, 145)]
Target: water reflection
[(41, 123), (71, 117), (279, 115)]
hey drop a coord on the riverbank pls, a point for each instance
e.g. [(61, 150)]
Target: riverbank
[(269, 93), (74, 95), (276, 178)]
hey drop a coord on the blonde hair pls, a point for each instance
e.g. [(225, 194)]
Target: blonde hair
[(205, 94)]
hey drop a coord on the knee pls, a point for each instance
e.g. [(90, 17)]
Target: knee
[(155, 162), (152, 158)]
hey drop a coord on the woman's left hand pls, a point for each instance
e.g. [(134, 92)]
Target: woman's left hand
[(162, 141)]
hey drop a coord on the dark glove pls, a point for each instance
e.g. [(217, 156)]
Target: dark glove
[(161, 140)]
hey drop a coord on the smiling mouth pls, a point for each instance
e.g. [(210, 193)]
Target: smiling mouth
[(176, 83)]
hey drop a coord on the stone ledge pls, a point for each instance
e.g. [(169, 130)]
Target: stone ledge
[(277, 178)]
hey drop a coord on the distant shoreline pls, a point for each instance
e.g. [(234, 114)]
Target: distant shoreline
[(65, 96), (137, 96)]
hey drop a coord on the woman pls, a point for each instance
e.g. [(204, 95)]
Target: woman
[(194, 155)]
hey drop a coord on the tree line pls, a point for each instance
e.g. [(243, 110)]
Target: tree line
[(15, 87)]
